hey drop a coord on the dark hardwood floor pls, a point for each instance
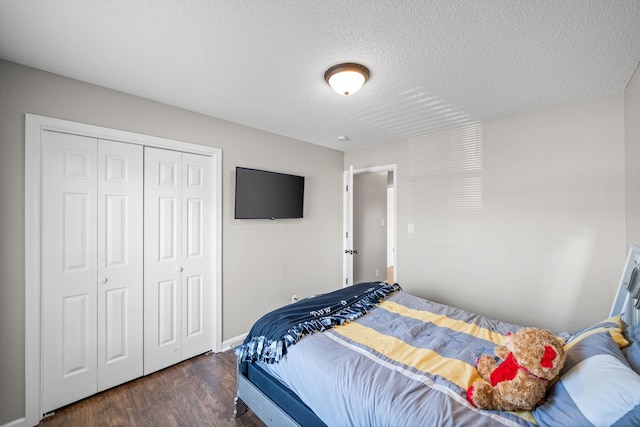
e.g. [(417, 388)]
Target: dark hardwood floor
[(196, 392)]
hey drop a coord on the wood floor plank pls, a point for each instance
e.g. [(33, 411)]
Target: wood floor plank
[(196, 392)]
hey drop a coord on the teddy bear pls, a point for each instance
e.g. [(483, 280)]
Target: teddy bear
[(530, 359)]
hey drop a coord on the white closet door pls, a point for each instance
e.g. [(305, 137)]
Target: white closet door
[(197, 255), (178, 243), (120, 263), (162, 259), (91, 266), (69, 232)]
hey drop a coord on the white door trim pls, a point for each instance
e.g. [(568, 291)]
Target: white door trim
[(34, 125), (347, 234), (347, 266)]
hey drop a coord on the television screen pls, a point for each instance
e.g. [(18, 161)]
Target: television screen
[(268, 195)]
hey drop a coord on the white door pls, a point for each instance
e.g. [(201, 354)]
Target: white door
[(178, 257), (69, 255), (91, 266), (348, 228), (350, 250), (120, 266), (197, 255)]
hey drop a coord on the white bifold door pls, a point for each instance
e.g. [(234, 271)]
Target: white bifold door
[(178, 257), (92, 266)]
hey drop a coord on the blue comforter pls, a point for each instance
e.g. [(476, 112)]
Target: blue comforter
[(408, 362)]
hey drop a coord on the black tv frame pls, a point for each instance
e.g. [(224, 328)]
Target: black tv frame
[(263, 194)]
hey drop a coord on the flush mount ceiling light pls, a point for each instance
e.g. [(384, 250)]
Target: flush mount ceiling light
[(346, 78)]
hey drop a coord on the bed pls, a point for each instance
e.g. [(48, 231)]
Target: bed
[(372, 354)]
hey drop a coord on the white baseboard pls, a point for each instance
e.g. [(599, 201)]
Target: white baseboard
[(20, 422), (230, 343)]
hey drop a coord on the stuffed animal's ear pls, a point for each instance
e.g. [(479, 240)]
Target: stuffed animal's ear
[(547, 357)]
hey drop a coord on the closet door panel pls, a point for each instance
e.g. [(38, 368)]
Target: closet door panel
[(68, 287), (167, 309), (168, 229), (197, 316), (162, 255), (194, 307), (120, 263)]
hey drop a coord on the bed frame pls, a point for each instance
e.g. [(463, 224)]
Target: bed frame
[(267, 397), (249, 395), (278, 406), (627, 301)]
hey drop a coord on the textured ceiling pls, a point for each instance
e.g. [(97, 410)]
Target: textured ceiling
[(434, 64)]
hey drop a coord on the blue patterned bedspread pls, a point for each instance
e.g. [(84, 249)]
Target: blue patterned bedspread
[(275, 332), (406, 363)]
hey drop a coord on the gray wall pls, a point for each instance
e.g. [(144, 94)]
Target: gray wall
[(632, 158), (264, 262), (522, 218)]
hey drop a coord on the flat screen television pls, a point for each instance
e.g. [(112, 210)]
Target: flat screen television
[(268, 195)]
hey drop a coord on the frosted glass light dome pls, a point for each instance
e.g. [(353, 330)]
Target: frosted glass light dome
[(346, 78)]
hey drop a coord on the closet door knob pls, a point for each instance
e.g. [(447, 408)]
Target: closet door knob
[(103, 280), (180, 269)]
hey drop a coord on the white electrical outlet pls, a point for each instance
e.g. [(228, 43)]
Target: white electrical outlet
[(294, 298)]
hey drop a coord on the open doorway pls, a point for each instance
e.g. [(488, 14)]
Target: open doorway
[(370, 225)]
